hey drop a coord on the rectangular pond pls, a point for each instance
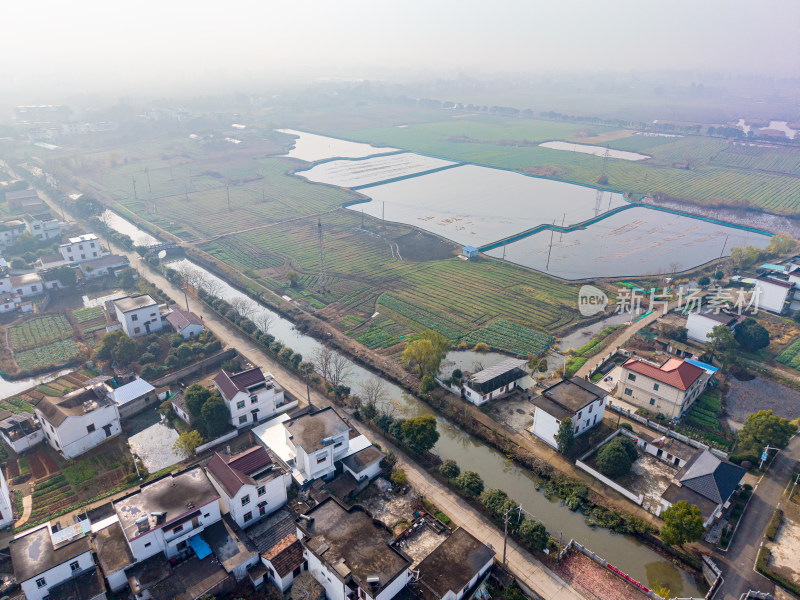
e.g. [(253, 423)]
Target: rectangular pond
[(354, 173), (594, 150), (477, 205), (311, 147), (633, 242)]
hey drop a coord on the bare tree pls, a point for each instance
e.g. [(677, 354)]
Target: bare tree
[(341, 369), (322, 358), (244, 306), (264, 320), (373, 390), (212, 286)]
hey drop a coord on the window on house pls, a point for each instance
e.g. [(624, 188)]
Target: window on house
[(652, 401), (590, 409), (578, 416), (601, 401), (33, 288), (631, 377), (148, 544), (248, 516), (628, 392), (74, 566), (137, 329), (80, 247), (253, 399), (90, 428), (655, 387), (321, 458), (182, 546), (40, 583), (152, 314), (178, 529), (240, 404), (337, 444), (83, 256), (262, 490), (243, 419), (246, 500), (134, 317), (577, 428)]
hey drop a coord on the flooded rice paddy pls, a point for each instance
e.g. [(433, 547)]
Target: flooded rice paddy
[(637, 241), (311, 147), (355, 173), (594, 150)]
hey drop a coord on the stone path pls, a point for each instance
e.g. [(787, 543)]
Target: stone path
[(27, 507)]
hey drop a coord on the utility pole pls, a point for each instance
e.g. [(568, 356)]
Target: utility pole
[(550, 249), (383, 211), (133, 179), (308, 392), (764, 455), (506, 517), (147, 172), (228, 190)]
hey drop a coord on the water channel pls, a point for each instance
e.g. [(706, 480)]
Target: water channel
[(627, 553)]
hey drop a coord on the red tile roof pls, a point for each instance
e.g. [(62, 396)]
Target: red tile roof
[(231, 384), (234, 471), (288, 557), (675, 372)]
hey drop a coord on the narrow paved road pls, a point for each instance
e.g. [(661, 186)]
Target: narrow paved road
[(737, 564), (534, 574)]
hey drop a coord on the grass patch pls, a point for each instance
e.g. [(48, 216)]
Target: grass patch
[(774, 525)]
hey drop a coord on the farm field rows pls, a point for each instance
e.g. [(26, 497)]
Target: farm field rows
[(53, 354), (38, 331)]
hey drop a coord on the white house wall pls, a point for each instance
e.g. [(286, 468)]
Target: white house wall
[(545, 427), (6, 513), (72, 438), (25, 442), (56, 575), (698, 327), (771, 297)]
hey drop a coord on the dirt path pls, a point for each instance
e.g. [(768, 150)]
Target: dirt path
[(27, 507)]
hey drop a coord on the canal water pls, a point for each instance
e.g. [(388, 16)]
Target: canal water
[(627, 553)]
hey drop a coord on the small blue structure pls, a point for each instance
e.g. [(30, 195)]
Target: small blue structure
[(200, 547), (710, 369), (470, 251)]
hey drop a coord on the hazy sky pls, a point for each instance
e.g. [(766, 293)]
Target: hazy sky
[(96, 43)]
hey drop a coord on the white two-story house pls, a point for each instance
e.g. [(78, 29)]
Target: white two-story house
[(167, 514), (138, 315), (79, 421), (251, 395), (669, 389), (43, 226), (350, 554), (6, 513), (251, 484), (82, 247), (318, 440), (577, 399), (54, 562)]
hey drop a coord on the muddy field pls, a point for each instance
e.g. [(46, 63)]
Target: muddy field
[(746, 397)]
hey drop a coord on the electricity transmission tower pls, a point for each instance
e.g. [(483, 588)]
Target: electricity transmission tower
[(603, 177), (321, 256)]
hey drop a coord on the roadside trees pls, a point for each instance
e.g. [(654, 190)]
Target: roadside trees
[(683, 523), (762, 429), (420, 432), (470, 482)]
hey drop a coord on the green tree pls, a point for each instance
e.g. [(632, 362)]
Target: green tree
[(399, 477), (187, 442), (613, 459), (765, 429), (66, 276), (108, 344), (449, 468), (683, 523), (427, 384), (780, 244), (294, 278), (195, 397), (494, 499), (722, 344), (25, 243), (420, 432), (214, 417), (470, 482), (87, 206), (426, 352), (565, 438), (534, 533), (751, 335), (126, 351), (704, 281)]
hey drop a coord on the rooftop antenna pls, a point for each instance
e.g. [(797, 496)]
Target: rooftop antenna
[(321, 255)]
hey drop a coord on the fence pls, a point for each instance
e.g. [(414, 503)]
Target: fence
[(666, 430), (198, 366), (228, 436), (637, 498)]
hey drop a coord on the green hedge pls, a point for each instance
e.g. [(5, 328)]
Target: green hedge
[(761, 567), (774, 524)]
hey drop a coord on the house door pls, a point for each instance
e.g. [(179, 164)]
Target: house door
[(107, 429), (659, 452), (147, 326), (262, 508), (676, 461), (255, 415)]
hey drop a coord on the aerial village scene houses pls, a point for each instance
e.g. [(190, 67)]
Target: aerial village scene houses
[(400, 358)]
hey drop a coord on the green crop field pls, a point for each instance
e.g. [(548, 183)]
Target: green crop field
[(53, 354), (512, 337), (776, 160), (84, 315), (790, 356), (38, 331)]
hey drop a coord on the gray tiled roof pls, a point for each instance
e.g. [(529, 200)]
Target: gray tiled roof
[(712, 477)]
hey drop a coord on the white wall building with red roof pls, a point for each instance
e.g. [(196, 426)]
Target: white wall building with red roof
[(251, 484), (251, 395), (669, 389)]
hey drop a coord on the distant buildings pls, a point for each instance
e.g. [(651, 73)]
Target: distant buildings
[(25, 201)]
